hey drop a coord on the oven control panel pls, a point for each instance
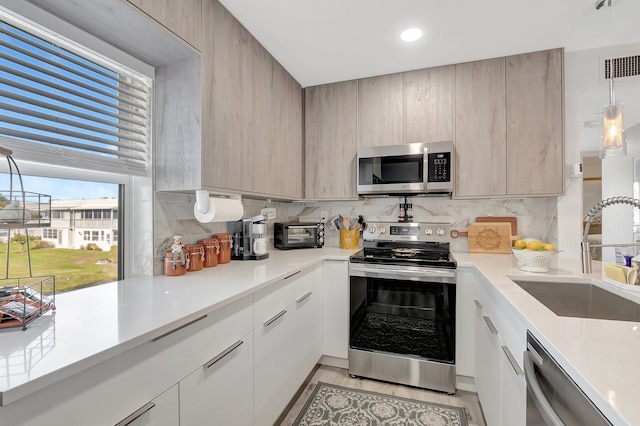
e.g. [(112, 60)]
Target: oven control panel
[(413, 231)]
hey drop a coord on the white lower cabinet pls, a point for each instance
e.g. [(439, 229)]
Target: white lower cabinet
[(487, 368), (499, 378), (217, 369), (288, 343), (514, 392), (335, 309), (162, 411), (221, 391)]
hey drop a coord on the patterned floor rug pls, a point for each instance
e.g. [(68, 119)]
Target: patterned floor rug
[(331, 405)]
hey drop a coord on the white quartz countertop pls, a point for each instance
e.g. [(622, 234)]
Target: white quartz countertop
[(94, 324), (602, 356), (97, 323)]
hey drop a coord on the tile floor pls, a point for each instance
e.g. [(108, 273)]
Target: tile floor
[(339, 376)]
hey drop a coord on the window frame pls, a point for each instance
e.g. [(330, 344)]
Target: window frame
[(135, 190)]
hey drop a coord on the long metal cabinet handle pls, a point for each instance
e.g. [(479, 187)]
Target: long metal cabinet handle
[(492, 327), (512, 361), (138, 413), (268, 322), (478, 304), (289, 276), (539, 399), (305, 297), (223, 354), (179, 328)]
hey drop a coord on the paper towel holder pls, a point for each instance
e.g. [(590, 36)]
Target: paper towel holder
[(203, 206)]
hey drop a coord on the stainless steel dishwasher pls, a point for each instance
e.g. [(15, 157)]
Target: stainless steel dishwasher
[(553, 398)]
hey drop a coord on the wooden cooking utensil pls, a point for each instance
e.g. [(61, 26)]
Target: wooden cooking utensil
[(346, 222)]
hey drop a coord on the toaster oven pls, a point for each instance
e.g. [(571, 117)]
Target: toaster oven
[(297, 235)]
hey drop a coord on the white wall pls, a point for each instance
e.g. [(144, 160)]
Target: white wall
[(586, 93)]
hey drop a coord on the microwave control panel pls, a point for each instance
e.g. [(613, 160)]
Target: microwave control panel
[(439, 167)]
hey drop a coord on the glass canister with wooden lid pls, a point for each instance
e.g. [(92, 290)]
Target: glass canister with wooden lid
[(211, 251), (225, 247)]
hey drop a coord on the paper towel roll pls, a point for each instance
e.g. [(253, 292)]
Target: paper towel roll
[(220, 210)]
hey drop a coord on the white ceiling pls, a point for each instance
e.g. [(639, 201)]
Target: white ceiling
[(324, 41)]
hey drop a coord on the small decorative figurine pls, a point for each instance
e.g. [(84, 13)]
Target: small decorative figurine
[(178, 250)]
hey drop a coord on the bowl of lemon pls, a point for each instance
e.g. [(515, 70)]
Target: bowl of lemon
[(534, 255)]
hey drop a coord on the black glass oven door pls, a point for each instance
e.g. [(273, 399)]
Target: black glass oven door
[(402, 317)]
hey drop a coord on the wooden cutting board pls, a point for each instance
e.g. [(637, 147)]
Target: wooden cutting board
[(489, 237), (509, 219)]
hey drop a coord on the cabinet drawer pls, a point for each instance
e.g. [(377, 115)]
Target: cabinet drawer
[(507, 320), (199, 342), (272, 300), (221, 391), (102, 395), (162, 411), (512, 328)]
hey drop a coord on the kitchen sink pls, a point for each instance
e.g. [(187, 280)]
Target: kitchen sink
[(581, 300)]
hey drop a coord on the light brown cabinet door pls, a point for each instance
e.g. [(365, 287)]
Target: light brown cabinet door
[(535, 133), (330, 141), (480, 129), (428, 105), (252, 113), (287, 166), (380, 110), (225, 96), (182, 17), (259, 149)]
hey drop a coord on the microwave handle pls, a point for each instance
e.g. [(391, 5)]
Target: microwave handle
[(425, 167), (302, 226)]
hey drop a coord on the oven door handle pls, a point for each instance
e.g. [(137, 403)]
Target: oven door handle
[(386, 271)]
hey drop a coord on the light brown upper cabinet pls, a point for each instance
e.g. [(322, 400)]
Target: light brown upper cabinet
[(286, 177), (509, 134), (535, 132), (414, 106), (480, 132), (251, 113), (330, 141), (182, 17), (428, 105), (381, 110)]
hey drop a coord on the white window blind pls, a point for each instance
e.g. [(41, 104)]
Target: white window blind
[(58, 106)]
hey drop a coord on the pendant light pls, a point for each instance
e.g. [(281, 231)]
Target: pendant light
[(613, 143)]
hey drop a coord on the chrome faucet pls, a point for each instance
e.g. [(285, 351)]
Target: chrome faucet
[(593, 212)]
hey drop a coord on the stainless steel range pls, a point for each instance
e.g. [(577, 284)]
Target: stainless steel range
[(403, 306)]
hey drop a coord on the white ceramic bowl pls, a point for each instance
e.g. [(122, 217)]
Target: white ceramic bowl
[(534, 260)]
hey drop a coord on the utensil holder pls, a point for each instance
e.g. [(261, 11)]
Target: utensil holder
[(349, 239)]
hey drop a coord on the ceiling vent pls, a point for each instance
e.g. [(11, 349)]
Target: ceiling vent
[(628, 66)]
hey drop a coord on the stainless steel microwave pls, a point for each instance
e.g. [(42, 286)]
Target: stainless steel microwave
[(416, 168)]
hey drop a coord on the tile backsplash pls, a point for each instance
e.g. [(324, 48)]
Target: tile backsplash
[(173, 214)]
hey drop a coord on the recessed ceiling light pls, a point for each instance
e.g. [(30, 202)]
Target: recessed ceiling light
[(411, 34)]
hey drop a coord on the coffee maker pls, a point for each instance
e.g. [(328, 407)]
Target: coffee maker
[(248, 239)]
